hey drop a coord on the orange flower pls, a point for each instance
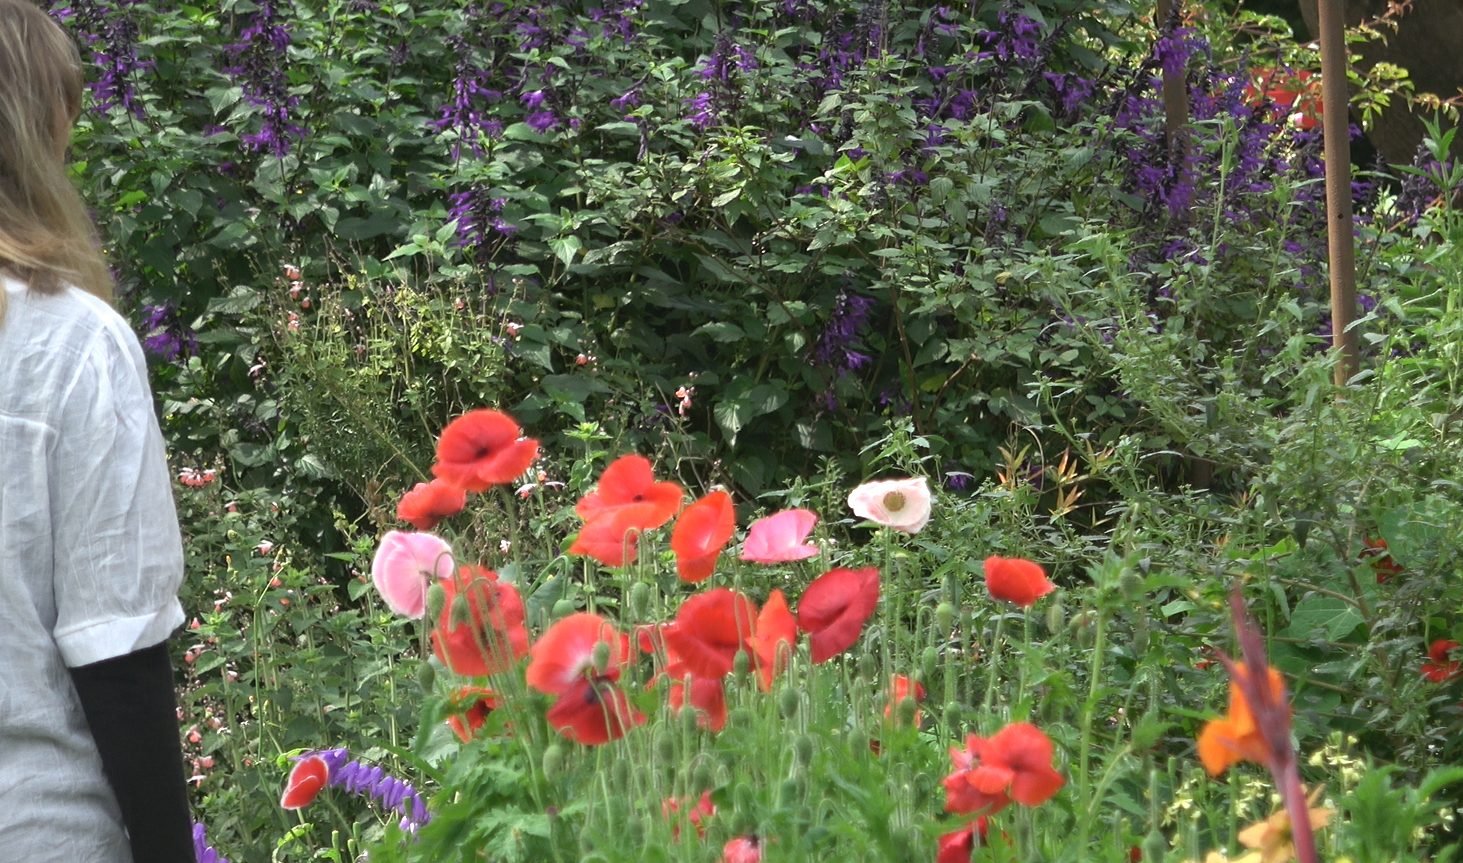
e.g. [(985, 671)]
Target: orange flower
[(611, 537), (483, 448), (1236, 736), (471, 704), (1383, 564), (835, 607), (956, 847), (1014, 764), (480, 630), (710, 629), (702, 531), (774, 640), (629, 480), (1015, 580), (704, 809), (429, 502)]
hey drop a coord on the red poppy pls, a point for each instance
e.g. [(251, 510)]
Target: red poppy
[(774, 639), (702, 531), (900, 688), (480, 630), (630, 480), (1438, 668), (1013, 764), (612, 537), (710, 629), (743, 849), (708, 699), (306, 781), (957, 847), (1384, 566), (564, 655), (1016, 580), (483, 448), (704, 808), (429, 502), (471, 704), (834, 608), (593, 711)]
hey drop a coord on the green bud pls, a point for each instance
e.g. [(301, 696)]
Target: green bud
[(601, 657), (803, 748), (929, 661), (1140, 635), (788, 702), (564, 608), (436, 598), (858, 739), (791, 792), (1056, 617), (633, 832), (950, 588), (461, 614), (945, 617), (741, 663), (1155, 846), (640, 600), (743, 800), (620, 773), (868, 664), (553, 761), (689, 723), (953, 712), (426, 677), (665, 746), (703, 776), (1130, 584), (904, 711)]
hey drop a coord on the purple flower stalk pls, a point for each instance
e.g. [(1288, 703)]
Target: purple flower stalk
[(255, 64), (202, 851), (374, 782)]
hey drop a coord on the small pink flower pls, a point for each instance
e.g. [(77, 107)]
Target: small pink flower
[(743, 849), (264, 547), (781, 537), (405, 564), (900, 504)]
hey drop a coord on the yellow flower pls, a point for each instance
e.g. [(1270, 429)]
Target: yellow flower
[(1270, 839)]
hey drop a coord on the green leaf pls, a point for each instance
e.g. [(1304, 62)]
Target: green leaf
[(1325, 617), (565, 248)]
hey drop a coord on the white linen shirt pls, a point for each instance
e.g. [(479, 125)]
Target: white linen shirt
[(90, 559)]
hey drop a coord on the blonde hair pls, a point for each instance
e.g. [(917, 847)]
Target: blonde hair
[(46, 235)]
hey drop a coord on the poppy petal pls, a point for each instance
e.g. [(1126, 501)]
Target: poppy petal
[(405, 564), (702, 531), (429, 502), (834, 608), (593, 713), (562, 655), (1016, 580), (306, 780), (774, 640), (483, 448), (480, 630), (611, 537), (630, 480), (710, 629), (780, 537)]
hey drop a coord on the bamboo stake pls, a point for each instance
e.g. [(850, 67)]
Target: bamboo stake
[(1175, 90), (1339, 239)]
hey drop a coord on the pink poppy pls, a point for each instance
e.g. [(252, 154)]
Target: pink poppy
[(899, 504), (405, 565), (781, 537)]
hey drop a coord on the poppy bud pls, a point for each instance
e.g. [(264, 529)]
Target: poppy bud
[(1140, 634), (640, 600), (601, 657), (950, 588), (929, 660), (665, 745), (1155, 846), (620, 773), (1130, 583), (703, 777), (563, 608), (553, 761), (791, 792), (953, 711), (741, 663), (788, 702), (689, 722), (633, 831), (945, 617), (858, 740), (1056, 616), (461, 614), (802, 750), (436, 598), (905, 710), (426, 677), (868, 664), (743, 802), (1081, 627)]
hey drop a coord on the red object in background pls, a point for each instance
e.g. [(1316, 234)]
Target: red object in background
[(1296, 93), (1383, 564), (305, 783), (1438, 668), (835, 607)]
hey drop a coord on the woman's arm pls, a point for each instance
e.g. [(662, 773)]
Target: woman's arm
[(132, 711)]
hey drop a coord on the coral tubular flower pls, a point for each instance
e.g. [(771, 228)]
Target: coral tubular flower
[(781, 537), (1438, 668), (899, 504), (702, 531), (629, 480), (307, 779), (1272, 839), (429, 502), (405, 565), (774, 639), (710, 629), (480, 630), (835, 607), (483, 448), (1016, 580)]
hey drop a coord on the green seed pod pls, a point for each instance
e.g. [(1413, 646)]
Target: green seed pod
[(553, 761), (665, 746), (858, 739), (689, 722), (945, 618), (904, 711), (741, 663), (1056, 617), (1155, 846), (1140, 634), (788, 702), (1081, 626), (929, 661), (868, 664), (640, 600), (790, 793), (620, 773), (461, 614), (953, 713), (426, 677), (803, 748), (601, 657), (703, 776), (950, 588), (1130, 583), (436, 598), (563, 608)]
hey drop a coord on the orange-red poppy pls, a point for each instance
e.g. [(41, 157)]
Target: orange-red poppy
[(629, 480), (1236, 736), (707, 698), (611, 538), (1439, 668), (429, 502), (702, 531), (834, 608), (593, 712), (1016, 580), (704, 809), (709, 631), (900, 688), (480, 630), (483, 448), (1014, 764), (471, 706), (1384, 566), (306, 780), (743, 849), (774, 639), (564, 654), (957, 846)]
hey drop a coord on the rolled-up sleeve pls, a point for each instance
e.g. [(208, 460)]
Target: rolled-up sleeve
[(118, 555)]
